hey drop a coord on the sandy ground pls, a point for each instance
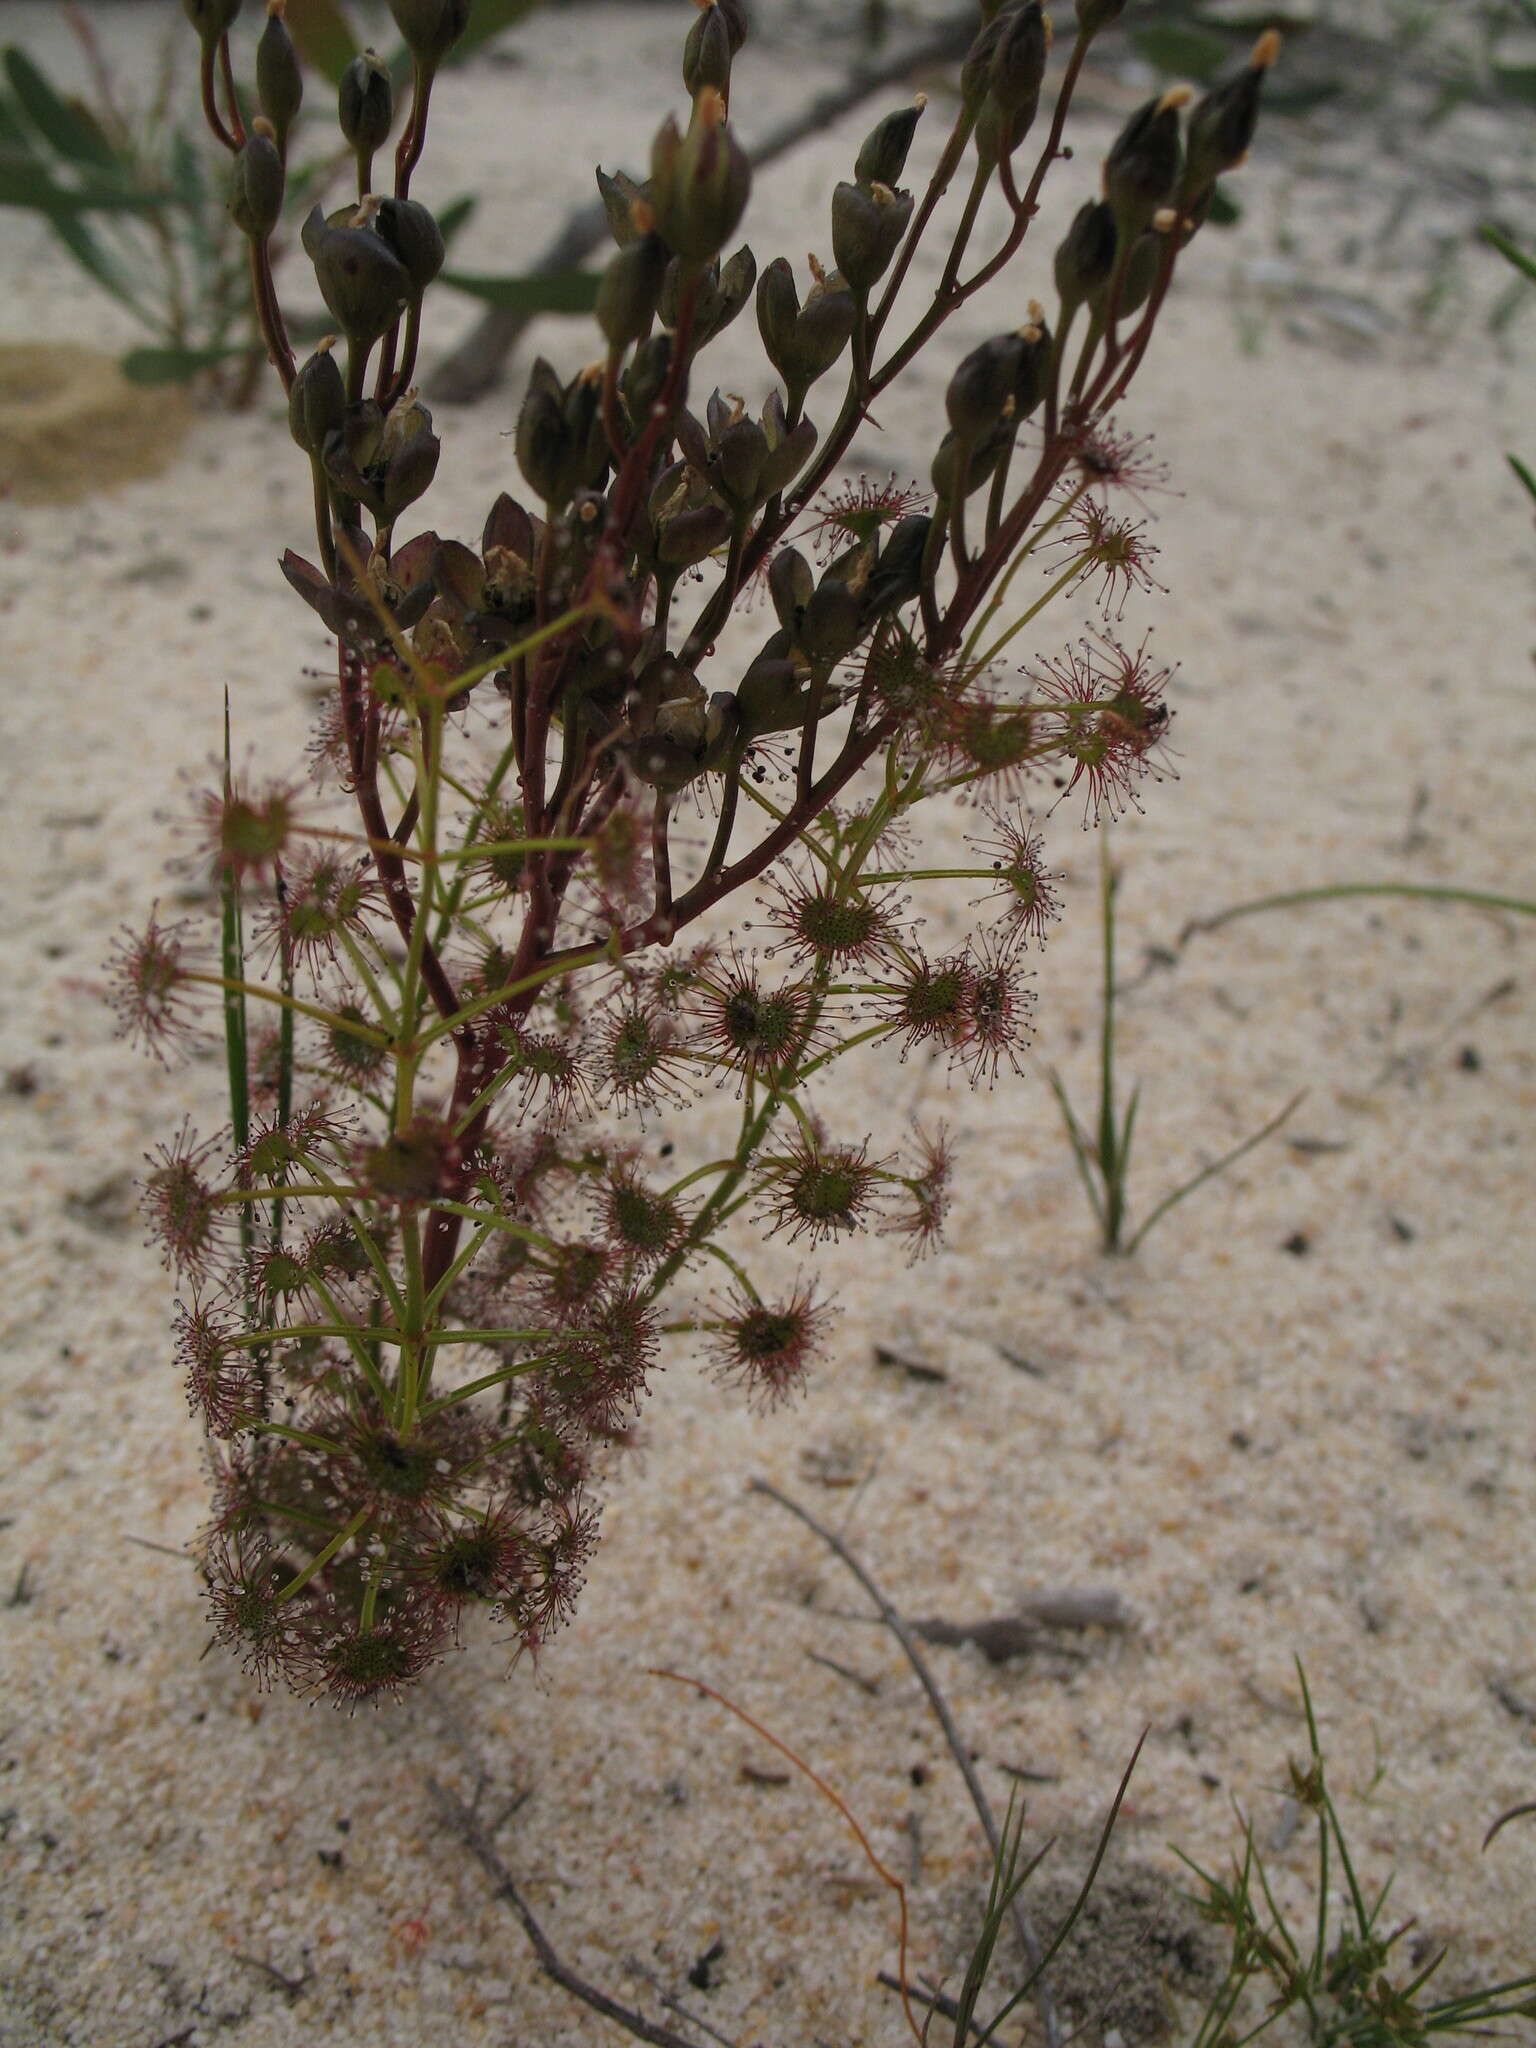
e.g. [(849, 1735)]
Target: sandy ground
[(1298, 1424)]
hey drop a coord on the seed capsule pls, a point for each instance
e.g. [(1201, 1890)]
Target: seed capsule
[(212, 18), (430, 28), (883, 158), (412, 232), (363, 282), (317, 400), (982, 386), (707, 53), (1142, 168), (279, 81), (868, 223), (699, 181), (256, 181), (631, 287), (365, 105)]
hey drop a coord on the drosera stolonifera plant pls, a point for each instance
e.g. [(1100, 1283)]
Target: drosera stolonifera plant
[(424, 1276)]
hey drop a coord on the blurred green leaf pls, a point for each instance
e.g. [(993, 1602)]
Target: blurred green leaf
[(15, 137), (323, 36), (1225, 211), (455, 215), (1510, 251), (1294, 100), (174, 365), (1175, 48), (1518, 81), (566, 291), (489, 18), (93, 259), (69, 129), (30, 184), (1523, 473)]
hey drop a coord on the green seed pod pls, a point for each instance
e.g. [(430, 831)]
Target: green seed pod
[(559, 433), (770, 697), (430, 28), (976, 71), (884, 155), (619, 196), (317, 400), (408, 449), (897, 576), (256, 181), (508, 527), (982, 386), (1141, 171), (1086, 255), (646, 375), (790, 586), (365, 104), (778, 309), (411, 230), (699, 181), (832, 623), (1136, 284), (722, 294), (707, 53), (867, 227), (1008, 107), (741, 449), (1018, 60), (631, 287), (279, 81), (789, 449), (1034, 372), (734, 14), (822, 331), (212, 18), (363, 282), (1222, 125), (946, 473), (689, 536), (362, 432)]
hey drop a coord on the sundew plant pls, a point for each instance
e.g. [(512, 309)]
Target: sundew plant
[(426, 1274)]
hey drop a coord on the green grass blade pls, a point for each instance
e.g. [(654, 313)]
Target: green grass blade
[(1080, 1149), (236, 1044), (1509, 250), (1067, 1925), (1218, 1166), (1420, 892)]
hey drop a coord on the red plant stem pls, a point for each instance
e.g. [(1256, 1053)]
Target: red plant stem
[(414, 139), (211, 112), (227, 70), (388, 865), (269, 314)]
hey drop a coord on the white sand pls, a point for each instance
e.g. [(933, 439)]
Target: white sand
[(1266, 1455)]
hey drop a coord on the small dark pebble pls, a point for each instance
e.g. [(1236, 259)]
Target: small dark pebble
[(918, 1774), (1239, 1439), (1403, 1232), (1470, 1060), (331, 1858), (1298, 1244), (702, 1975)]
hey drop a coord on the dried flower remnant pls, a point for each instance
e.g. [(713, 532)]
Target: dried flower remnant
[(432, 1272)]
